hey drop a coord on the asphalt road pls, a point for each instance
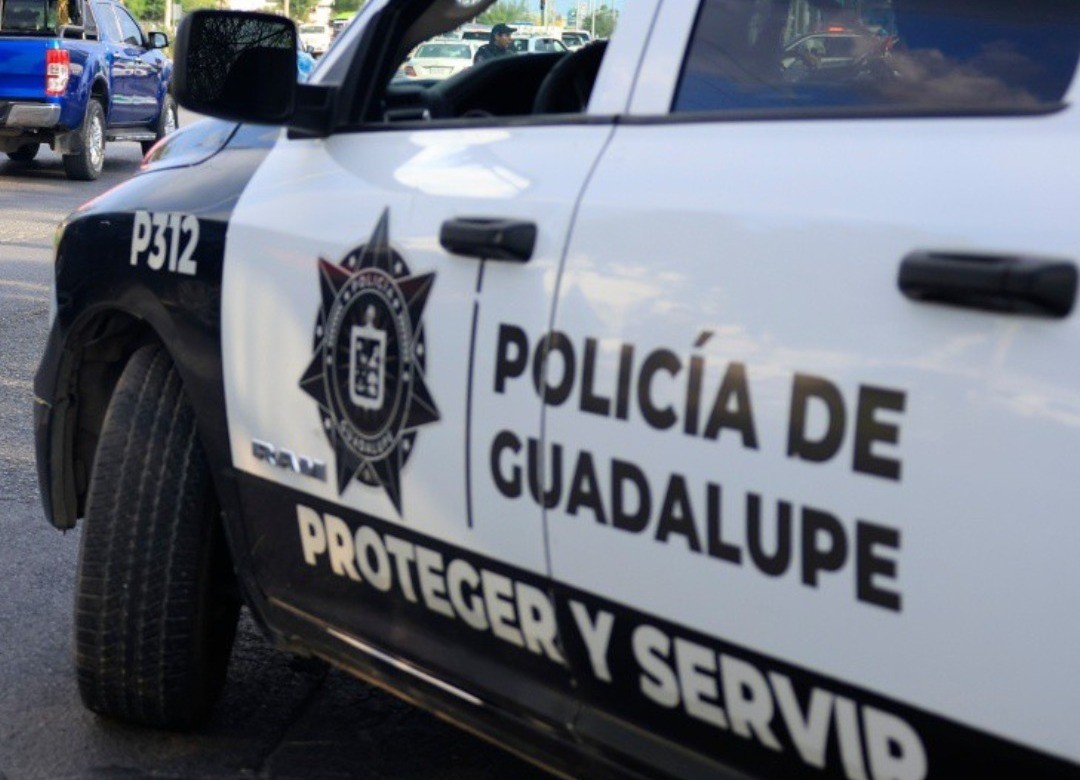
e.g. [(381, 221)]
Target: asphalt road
[(280, 717)]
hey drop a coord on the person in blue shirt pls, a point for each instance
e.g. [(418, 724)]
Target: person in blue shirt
[(305, 62)]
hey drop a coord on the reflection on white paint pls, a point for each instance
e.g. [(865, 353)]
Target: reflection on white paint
[(455, 163)]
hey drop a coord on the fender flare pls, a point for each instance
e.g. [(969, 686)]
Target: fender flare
[(71, 142)]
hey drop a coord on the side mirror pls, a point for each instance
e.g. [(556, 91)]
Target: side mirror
[(158, 40), (237, 66)]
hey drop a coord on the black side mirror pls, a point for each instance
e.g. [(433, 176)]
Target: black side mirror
[(158, 40), (236, 66)]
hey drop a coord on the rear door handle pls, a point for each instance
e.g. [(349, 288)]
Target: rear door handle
[(489, 239), (1002, 283)]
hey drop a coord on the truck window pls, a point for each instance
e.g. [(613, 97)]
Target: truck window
[(534, 75), (129, 28), (892, 56), (37, 16), (108, 26)]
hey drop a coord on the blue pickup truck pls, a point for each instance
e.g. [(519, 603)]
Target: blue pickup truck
[(75, 74)]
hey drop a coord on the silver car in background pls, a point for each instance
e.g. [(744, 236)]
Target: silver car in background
[(440, 58)]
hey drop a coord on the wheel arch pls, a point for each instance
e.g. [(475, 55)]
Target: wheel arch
[(70, 141), (95, 352), (99, 91)]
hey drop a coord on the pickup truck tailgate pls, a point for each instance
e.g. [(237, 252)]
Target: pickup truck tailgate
[(22, 67)]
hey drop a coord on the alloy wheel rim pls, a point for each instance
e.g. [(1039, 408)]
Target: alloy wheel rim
[(96, 145)]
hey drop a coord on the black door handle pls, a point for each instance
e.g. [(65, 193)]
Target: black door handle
[(489, 239), (1005, 283)]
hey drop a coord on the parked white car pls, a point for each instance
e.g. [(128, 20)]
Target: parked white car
[(575, 39), (438, 59), (537, 44), (316, 38)]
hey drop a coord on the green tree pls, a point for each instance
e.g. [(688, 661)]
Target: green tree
[(151, 13), (147, 10), (299, 9), (346, 8), (605, 19), (511, 11), (194, 5)]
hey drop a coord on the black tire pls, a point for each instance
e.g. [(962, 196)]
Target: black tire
[(25, 153), (87, 164), (168, 122), (156, 604)]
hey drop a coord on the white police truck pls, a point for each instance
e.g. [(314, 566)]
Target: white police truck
[(700, 403)]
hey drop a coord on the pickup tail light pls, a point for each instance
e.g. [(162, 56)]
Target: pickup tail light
[(57, 71), (410, 71)]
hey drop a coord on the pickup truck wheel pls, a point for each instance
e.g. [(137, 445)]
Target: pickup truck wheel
[(87, 164), (25, 153), (156, 602), (167, 122)]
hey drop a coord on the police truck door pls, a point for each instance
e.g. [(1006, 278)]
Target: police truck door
[(362, 383), (820, 477)]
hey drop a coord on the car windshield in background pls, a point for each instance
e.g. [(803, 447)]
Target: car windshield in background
[(475, 32), (444, 51), (896, 55), (438, 59)]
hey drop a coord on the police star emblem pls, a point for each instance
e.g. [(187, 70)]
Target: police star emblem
[(367, 373)]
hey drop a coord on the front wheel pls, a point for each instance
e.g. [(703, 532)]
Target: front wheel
[(25, 153), (87, 164), (168, 122), (156, 604)]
